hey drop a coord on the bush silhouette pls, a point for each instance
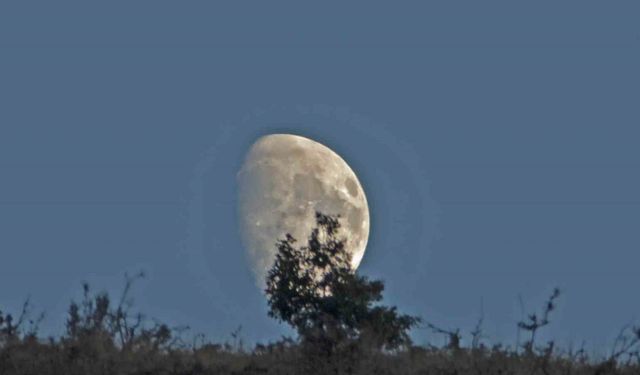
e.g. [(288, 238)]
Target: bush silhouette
[(314, 289)]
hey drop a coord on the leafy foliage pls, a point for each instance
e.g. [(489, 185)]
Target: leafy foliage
[(314, 289)]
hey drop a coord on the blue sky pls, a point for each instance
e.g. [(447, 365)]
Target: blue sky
[(497, 144)]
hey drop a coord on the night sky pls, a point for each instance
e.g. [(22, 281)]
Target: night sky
[(498, 145)]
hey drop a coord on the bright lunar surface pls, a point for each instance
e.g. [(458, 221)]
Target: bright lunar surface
[(284, 180)]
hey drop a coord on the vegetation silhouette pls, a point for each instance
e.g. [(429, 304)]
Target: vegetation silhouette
[(314, 289), (342, 329)]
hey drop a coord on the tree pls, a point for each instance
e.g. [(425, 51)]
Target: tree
[(314, 289)]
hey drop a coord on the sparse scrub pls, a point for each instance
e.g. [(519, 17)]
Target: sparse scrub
[(342, 329), (96, 342)]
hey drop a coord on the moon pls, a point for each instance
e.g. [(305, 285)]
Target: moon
[(284, 180)]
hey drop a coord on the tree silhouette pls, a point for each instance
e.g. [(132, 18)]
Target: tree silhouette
[(314, 289)]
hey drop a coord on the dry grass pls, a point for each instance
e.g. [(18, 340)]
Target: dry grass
[(103, 338)]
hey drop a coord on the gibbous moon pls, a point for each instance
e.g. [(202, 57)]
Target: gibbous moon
[(284, 180)]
